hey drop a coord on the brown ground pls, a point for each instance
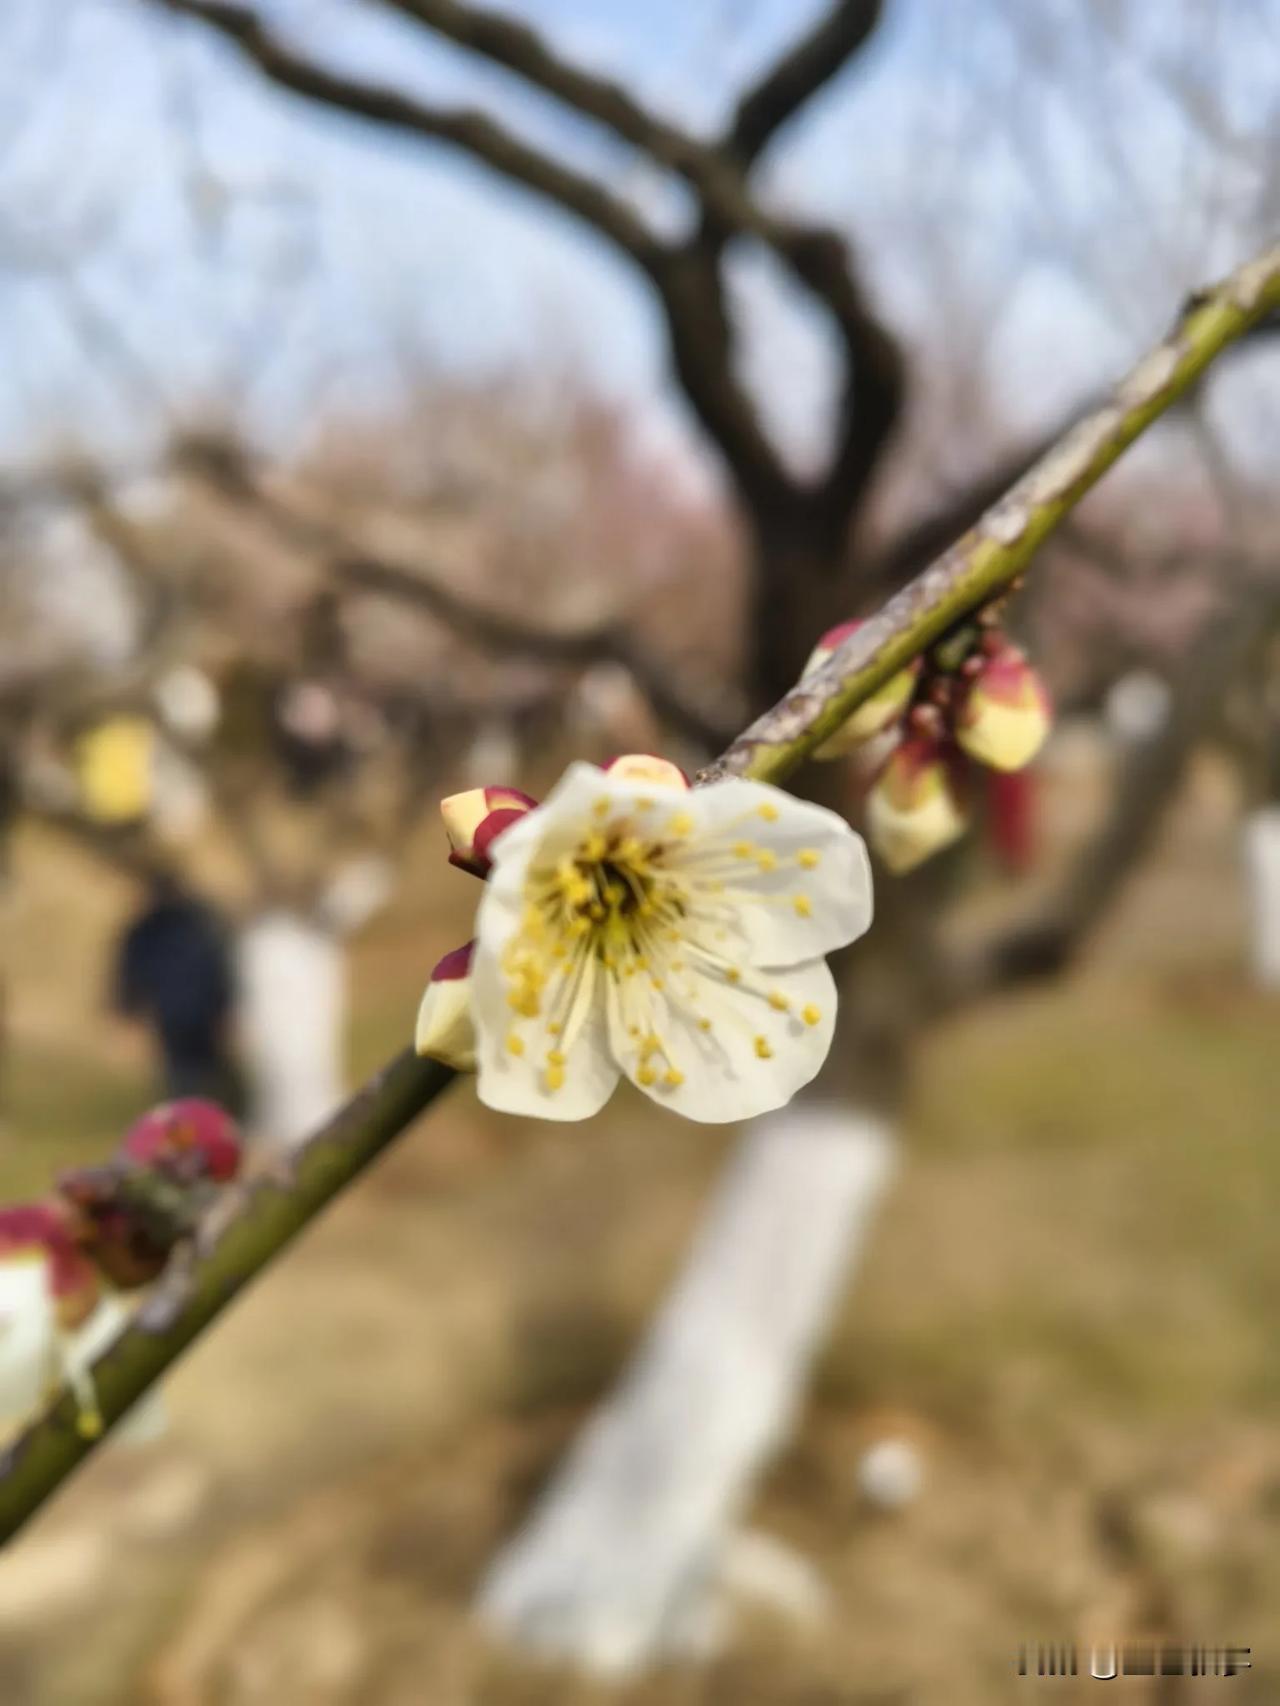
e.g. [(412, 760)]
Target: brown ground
[(1071, 1304)]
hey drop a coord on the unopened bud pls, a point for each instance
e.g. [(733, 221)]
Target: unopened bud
[(445, 1030), (189, 1140), (875, 714), (1005, 715), (646, 767), (473, 821), (915, 808), (43, 1233)]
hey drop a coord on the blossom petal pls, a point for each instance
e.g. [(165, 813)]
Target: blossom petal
[(28, 1336), (730, 1050), (515, 1074), (795, 879)]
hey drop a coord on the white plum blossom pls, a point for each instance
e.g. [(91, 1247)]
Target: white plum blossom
[(633, 927)]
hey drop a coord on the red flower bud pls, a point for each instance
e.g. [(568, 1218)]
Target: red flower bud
[(444, 1029), (473, 820), (915, 806), (1005, 714), (46, 1232), (191, 1140)]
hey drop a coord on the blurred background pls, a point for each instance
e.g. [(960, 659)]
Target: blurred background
[(404, 396)]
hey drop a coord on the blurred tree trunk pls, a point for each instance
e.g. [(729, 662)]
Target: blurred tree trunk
[(292, 987), (799, 588)]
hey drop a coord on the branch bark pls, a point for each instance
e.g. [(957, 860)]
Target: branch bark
[(269, 1214)]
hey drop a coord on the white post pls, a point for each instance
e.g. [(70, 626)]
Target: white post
[(1260, 841), (619, 1562), (292, 1007)]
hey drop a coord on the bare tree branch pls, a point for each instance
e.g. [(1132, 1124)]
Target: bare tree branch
[(687, 276), (788, 85), (473, 132)]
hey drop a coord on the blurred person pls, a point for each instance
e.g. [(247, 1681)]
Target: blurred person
[(174, 973)]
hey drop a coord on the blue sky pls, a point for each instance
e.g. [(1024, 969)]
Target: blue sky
[(235, 240)]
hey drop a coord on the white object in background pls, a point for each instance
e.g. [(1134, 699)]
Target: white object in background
[(1137, 706), (622, 1550), (292, 987), (890, 1474), (188, 702), (1260, 843)]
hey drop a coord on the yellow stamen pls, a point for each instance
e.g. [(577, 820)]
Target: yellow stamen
[(704, 1024), (555, 1077), (554, 1057), (803, 906), (673, 1076), (515, 1044), (811, 1014), (743, 849), (778, 1001), (681, 824), (733, 975), (807, 858), (769, 812), (763, 1050), (646, 1075), (767, 860)]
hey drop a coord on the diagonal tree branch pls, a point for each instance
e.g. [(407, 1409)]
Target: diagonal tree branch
[(991, 555), (788, 85), (268, 1214)]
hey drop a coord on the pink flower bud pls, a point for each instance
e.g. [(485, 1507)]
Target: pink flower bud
[(191, 1140), (875, 714), (1005, 714), (46, 1232), (445, 1030), (647, 767), (915, 806), (473, 821)]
